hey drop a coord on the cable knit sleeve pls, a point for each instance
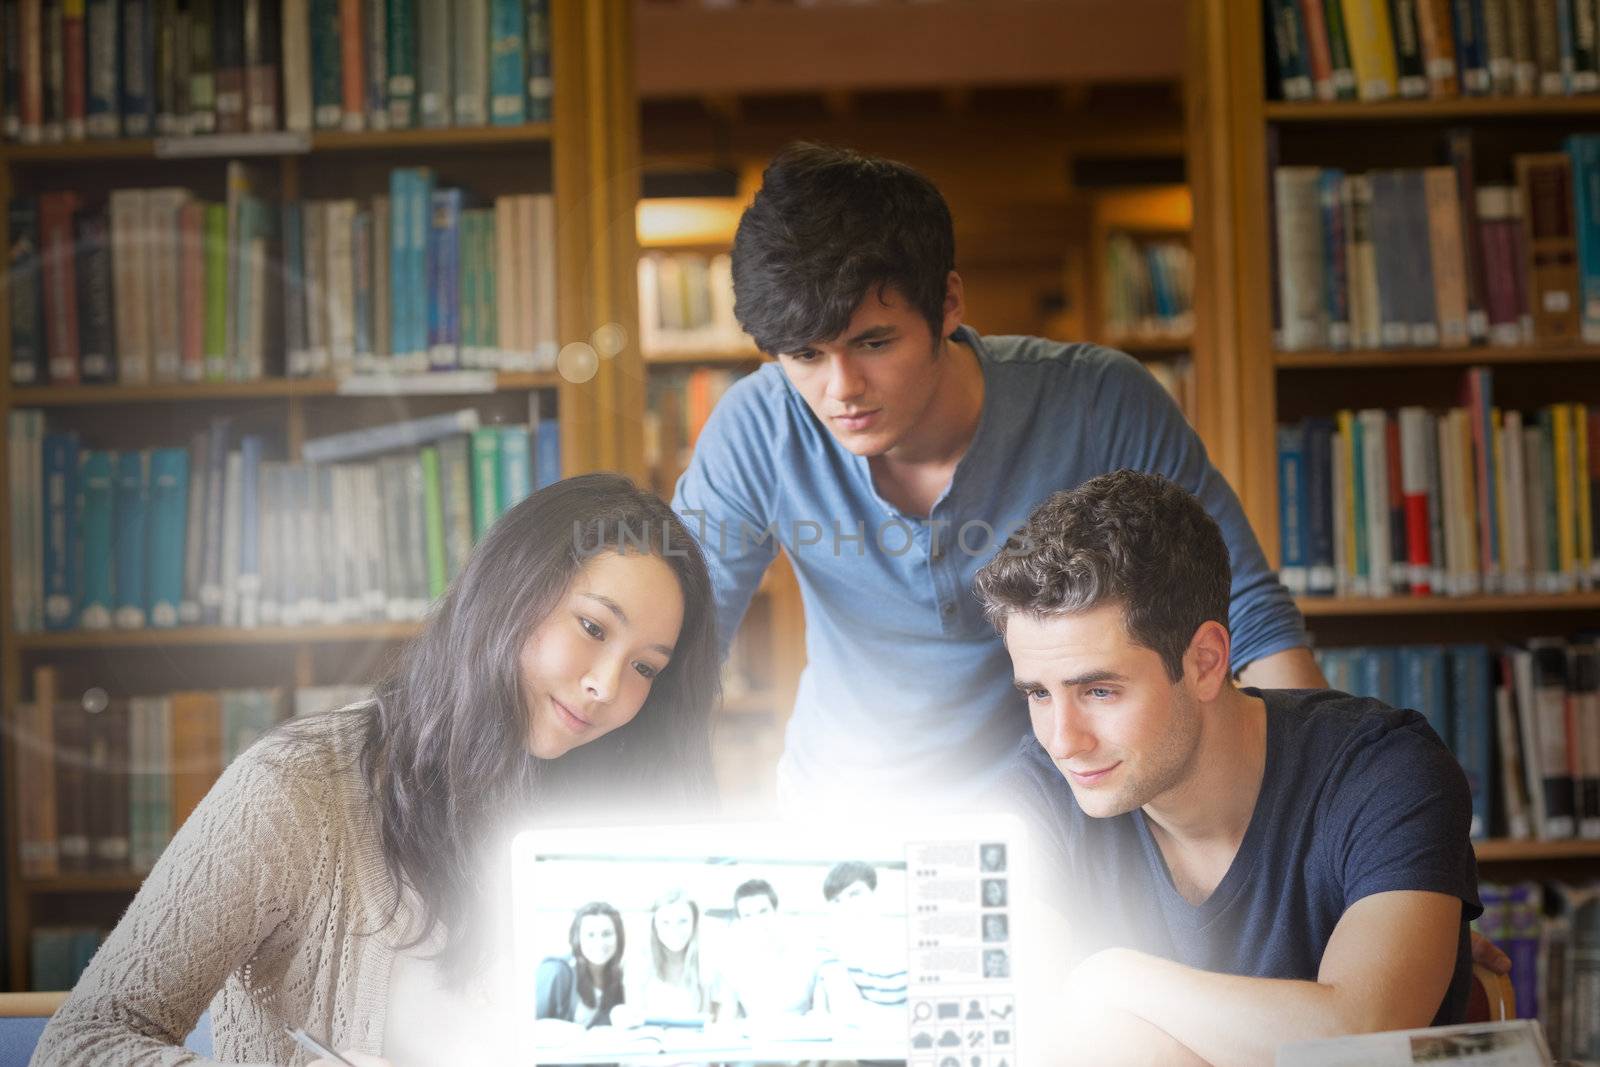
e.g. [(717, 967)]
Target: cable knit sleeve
[(227, 898)]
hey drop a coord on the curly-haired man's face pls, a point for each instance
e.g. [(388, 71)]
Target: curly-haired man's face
[(1119, 730), (872, 385)]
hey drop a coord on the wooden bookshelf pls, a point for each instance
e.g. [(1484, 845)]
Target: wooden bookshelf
[(1254, 386), (1507, 851), (577, 157), (264, 389), (1482, 355), (690, 359), (1473, 108), (199, 636), (1339, 607)]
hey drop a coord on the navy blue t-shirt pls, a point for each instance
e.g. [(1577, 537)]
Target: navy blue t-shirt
[(1357, 798)]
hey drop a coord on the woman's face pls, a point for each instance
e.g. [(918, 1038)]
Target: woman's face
[(597, 939), (587, 668), (675, 925)]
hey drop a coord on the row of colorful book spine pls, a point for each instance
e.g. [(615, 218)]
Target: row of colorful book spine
[(686, 304), (1432, 49), (1551, 931), (678, 403), (156, 285), (1149, 287), (1523, 721), (369, 525), (1424, 257), (1464, 502), (101, 69), (108, 783)]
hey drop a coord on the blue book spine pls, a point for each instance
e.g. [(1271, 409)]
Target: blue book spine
[(60, 461), (1422, 686), (444, 278), (1467, 22), (418, 209), (361, 263), (1569, 55), (1473, 727), (248, 581), (1379, 675), (98, 476), (399, 180), (1292, 508), (508, 64), (1335, 271), (103, 115), (1585, 152), (1362, 566), (1321, 577), (1336, 667), (138, 68), (169, 512), (515, 464), (540, 85), (547, 454), (133, 514)]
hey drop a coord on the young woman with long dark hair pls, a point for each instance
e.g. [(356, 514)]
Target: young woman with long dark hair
[(584, 987), (344, 874)]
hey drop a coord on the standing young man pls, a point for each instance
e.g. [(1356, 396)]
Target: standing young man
[(1238, 868), (889, 450)]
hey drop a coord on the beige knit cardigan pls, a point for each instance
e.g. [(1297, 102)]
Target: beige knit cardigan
[(262, 907)]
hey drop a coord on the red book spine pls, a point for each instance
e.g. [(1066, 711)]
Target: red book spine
[(353, 63), (77, 87), (60, 285), (1318, 50)]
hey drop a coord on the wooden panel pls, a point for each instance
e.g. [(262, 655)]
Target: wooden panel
[(686, 49)]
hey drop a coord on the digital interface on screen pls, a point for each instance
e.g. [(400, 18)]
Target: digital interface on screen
[(718, 946)]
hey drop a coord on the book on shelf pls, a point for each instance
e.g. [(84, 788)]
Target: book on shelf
[(225, 532), (1430, 257), (250, 66), (686, 305), (678, 403), (1467, 501), (58, 955), (157, 286), (1523, 722), (1551, 931), (1149, 287), (1375, 50), (111, 783)]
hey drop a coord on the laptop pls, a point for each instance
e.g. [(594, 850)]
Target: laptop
[(925, 965)]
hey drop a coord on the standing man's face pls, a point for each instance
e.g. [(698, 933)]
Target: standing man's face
[(872, 384), (758, 919), (856, 896)]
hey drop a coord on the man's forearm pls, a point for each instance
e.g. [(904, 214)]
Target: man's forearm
[(1293, 668), (1222, 1018), (1095, 1035)]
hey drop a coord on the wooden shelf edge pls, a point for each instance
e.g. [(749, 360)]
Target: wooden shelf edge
[(84, 883), (68, 640), (1511, 851), (264, 389), (1440, 357), (322, 141), (1332, 607), (1425, 110), (678, 359)]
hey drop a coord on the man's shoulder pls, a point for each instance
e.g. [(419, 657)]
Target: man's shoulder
[(1023, 352), (1355, 743)]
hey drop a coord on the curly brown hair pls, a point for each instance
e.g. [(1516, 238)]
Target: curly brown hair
[(1126, 538)]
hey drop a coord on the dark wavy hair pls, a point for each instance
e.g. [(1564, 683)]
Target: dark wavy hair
[(1128, 538), (598, 987), (446, 742), (828, 227)]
